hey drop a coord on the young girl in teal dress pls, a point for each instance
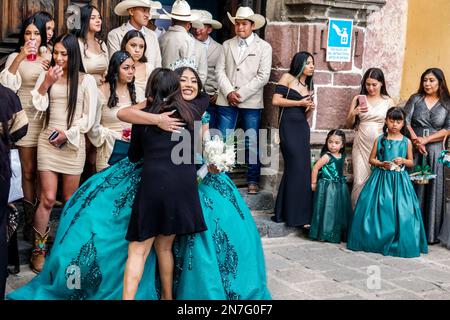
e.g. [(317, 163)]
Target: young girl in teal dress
[(332, 206), (387, 217)]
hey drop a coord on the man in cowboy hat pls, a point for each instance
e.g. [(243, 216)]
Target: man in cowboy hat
[(242, 71), (176, 43), (201, 30), (139, 13)]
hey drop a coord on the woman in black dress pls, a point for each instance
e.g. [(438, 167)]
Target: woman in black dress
[(294, 94), (13, 126), (167, 201)]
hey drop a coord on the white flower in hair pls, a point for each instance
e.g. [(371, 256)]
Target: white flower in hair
[(183, 62)]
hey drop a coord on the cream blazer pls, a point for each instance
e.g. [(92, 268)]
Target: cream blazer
[(214, 51), (247, 76), (152, 53)]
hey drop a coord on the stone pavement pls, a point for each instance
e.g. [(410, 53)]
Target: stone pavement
[(299, 269)]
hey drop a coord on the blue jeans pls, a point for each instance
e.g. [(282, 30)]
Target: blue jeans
[(251, 119)]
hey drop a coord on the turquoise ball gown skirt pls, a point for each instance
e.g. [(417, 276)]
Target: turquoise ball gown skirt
[(224, 262)]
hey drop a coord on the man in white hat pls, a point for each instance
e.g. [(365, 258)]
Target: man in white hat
[(242, 71), (139, 13), (176, 43), (201, 30)]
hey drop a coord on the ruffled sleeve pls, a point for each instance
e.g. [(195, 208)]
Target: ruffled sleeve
[(40, 102), (9, 80), (87, 119)]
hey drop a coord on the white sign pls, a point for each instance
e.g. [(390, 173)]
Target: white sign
[(339, 42)]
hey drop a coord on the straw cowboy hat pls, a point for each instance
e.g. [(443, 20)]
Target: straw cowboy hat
[(182, 11), (122, 7), (246, 13), (205, 18), (157, 15)]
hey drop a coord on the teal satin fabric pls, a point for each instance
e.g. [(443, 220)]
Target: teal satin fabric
[(387, 217), (225, 262), (332, 206)]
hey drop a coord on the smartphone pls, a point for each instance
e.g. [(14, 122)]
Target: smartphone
[(53, 135), (362, 101)]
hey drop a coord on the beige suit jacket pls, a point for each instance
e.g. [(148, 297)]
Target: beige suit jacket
[(247, 75), (214, 51), (177, 43), (152, 53)]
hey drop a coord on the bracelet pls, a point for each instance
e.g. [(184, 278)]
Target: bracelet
[(159, 122)]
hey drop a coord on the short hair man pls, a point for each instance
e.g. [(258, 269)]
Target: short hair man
[(242, 71)]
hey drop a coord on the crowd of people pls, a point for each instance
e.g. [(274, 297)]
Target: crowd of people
[(96, 120)]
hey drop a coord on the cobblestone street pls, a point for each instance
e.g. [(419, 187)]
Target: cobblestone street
[(299, 269)]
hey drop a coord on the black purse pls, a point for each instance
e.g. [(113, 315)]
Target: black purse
[(120, 151)]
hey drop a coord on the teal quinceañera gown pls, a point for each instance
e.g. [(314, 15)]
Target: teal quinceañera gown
[(224, 262), (332, 206), (387, 217)]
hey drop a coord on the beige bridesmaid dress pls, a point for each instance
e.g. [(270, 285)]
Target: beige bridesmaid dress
[(95, 64), (108, 128), (370, 127), (22, 83), (70, 158), (141, 80)]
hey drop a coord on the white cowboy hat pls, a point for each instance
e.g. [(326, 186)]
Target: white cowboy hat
[(159, 16), (156, 5), (122, 7), (205, 18), (246, 13), (181, 11)]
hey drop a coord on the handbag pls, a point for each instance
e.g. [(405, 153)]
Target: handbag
[(15, 191), (120, 151)]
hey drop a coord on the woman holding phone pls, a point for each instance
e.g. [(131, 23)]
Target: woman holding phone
[(294, 96), (367, 116)]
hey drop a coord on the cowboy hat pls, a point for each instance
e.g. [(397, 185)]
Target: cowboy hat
[(158, 16), (122, 7), (205, 18), (182, 11), (246, 13)]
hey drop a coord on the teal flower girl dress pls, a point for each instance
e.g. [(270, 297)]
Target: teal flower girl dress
[(224, 262), (387, 217), (332, 205)]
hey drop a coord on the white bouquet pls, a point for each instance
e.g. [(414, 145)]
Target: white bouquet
[(219, 153)]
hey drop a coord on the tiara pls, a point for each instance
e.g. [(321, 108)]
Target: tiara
[(183, 62)]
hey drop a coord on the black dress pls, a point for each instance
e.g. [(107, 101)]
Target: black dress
[(294, 200), (167, 200)]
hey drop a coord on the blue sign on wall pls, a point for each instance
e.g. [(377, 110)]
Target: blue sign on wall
[(339, 43)]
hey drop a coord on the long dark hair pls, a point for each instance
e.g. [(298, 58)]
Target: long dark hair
[(444, 95), (40, 25), (74, 67), (112, 77), (394, 113), (85, 16), (376, 74), (334, 132), (46, 17), (164, 91), (298, 65), (180, 71), (130, 35)]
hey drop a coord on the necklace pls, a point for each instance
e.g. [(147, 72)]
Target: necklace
[(303, 84)]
